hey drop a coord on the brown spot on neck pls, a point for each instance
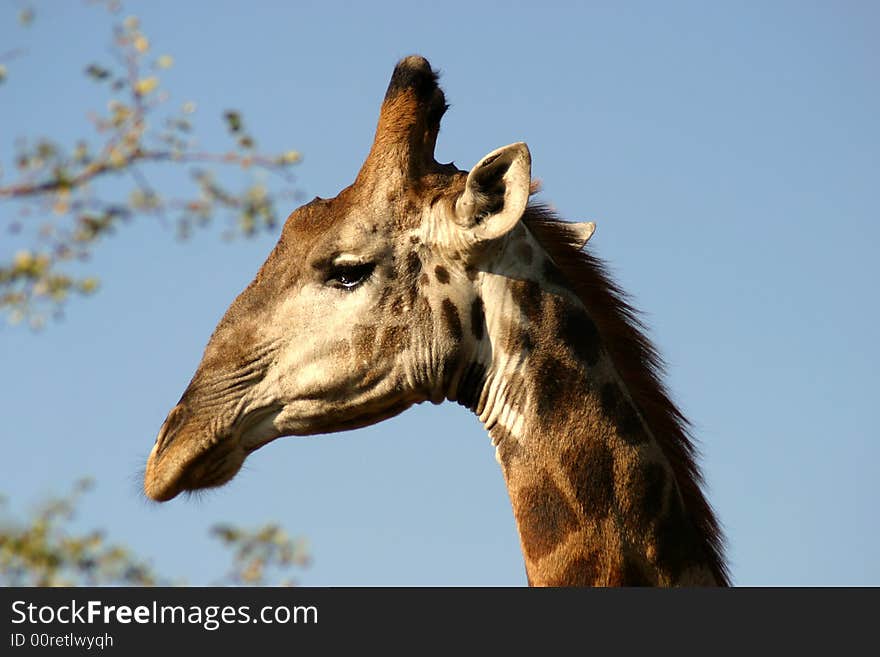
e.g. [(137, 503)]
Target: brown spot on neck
[(590, 467), (576, 330), (545, 517), (584, 570), (555, 382), (478, 319), (516, 339), (451, 319), (413, 265), (619, 409), (528, 296)]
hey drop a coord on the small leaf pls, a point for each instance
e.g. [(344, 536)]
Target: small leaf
[(233, 120), (23, 260), (88, 285), (61, 206), (117, 159), (165, 61), (26, 17), (97, 72), (81, 153), (145, 85)]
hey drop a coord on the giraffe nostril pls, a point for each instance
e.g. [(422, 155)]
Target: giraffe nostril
[(175, 420)]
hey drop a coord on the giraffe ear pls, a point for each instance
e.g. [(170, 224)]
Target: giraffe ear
[(496, 192)]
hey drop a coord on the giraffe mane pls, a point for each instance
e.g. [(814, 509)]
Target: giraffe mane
[(639, 365)]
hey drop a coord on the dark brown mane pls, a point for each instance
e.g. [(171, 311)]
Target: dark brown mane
[(638, 364)]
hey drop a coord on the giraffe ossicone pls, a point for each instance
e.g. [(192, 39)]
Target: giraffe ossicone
[(423, 282)]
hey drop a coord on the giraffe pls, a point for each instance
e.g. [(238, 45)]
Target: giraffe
[(422, 282)]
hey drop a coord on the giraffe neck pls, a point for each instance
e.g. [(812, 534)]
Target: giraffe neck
[(594, 497)]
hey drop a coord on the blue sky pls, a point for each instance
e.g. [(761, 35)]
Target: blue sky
[(727, 151)]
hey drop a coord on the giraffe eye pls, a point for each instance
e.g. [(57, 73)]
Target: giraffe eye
[(349, 276)]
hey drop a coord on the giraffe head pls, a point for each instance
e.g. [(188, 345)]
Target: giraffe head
[(365, 306)]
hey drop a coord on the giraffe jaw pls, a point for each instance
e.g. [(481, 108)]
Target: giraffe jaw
[(184, 459)]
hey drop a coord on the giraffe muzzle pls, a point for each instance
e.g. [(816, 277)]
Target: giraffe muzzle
[(192, 454)]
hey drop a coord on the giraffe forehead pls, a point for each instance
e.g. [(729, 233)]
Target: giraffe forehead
[(355, 235), (352, 220)]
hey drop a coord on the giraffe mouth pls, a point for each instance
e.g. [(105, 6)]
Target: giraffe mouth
[(170, 474), (189, 459)]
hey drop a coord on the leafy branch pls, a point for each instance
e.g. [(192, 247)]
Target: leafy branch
[(46, 551), (67, 198), (42, 553), (260, 551)]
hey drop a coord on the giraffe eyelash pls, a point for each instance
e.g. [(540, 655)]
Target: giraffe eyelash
[(349, 276)]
